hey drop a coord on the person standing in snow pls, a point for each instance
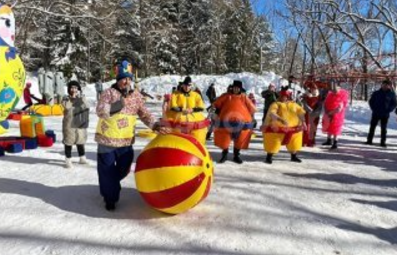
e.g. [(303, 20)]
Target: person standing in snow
[(382, 103), (312, 103), (186, 112), (235, 111), (117, 110), (211, 93), (335, 105), (270, 96), (284, 125), (75, 122)]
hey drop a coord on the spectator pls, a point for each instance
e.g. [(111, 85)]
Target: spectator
[(270, 96), (75, 122), (382, 103), (211, 93)]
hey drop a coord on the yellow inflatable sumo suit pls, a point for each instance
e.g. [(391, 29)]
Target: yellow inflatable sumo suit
[(185, 114), (283, 126), (12, 72)]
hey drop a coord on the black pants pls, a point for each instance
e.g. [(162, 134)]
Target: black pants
[(383, 128), (80, 150)]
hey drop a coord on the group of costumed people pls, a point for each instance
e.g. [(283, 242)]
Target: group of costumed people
[(120, 105), (286, 122)]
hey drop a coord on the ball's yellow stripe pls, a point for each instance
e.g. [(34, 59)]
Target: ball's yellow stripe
[(170, 140), (158, 179), (190, 202)]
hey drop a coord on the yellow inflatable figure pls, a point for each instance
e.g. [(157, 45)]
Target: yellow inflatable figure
[(284, 123), (186, 113), (12, 72)]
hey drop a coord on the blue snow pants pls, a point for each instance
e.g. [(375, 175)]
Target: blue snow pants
[(113, 165)]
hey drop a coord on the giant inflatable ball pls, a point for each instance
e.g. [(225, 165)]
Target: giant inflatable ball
[(174, 173), (12, 72)]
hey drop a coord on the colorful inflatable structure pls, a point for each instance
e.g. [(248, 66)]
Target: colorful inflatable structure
[(33, 134), (179, 178), (12, 72)]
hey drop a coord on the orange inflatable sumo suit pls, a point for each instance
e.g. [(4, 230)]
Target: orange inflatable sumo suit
[(276, 133), (234, 121), (193, 123)]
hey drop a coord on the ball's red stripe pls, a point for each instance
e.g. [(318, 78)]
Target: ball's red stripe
[(207, 189), (165, 157), (192, 140), (173, 196)]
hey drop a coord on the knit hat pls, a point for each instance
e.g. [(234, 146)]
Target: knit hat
[(237, 83), (187, 81), (123, 70), (74, 84)]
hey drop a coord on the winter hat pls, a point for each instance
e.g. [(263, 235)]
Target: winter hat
[(286, 93), (237, 83), (187, 81), (74, 84), (123, 70)]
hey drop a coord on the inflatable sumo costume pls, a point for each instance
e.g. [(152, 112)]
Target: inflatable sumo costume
[(283, 126), (12, 72), (235, 123), (186, 113)]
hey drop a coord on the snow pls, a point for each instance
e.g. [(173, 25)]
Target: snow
[(334, 202)]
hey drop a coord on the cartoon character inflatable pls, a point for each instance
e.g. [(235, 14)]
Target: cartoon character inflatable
[(174, 173), (12, 72)]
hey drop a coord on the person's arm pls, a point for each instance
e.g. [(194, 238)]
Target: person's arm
[(273, 114), (66, 103), (103, 109)]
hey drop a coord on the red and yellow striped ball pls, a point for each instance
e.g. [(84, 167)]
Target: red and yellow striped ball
[(174, 173)]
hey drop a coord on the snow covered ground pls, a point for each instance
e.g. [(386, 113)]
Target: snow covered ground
[(335, 202)]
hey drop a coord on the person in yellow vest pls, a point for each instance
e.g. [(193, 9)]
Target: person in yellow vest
[(235, 111), (284, 124), (186, 112), (117, 109)]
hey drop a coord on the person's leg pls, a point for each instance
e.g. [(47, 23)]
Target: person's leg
[(68, 156), (68, 151), (125, 157), (335, 142), (372, 127), (81, 152), (383, 131), (108, 175), (27, 106)]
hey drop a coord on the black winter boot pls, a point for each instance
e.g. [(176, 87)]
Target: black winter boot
[(294, 158), (236, 157), (334, 145), (328, 142), (269, 158), (224, 156)]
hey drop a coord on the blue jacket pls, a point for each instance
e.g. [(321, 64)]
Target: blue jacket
[(382, 103)]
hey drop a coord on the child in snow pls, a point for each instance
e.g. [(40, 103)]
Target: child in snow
[(75, 122)]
